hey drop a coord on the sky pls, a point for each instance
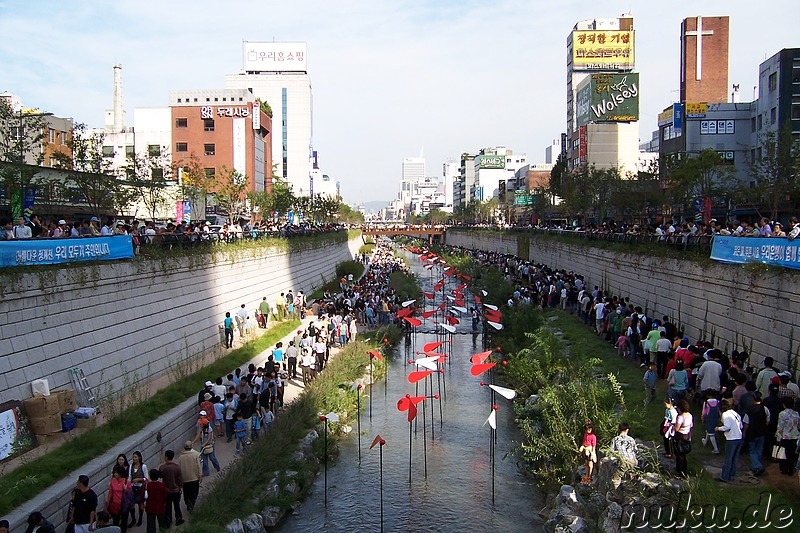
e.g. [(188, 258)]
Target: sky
[(390, 78)]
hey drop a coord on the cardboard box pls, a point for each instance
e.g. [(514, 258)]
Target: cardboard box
[(42, 406), (86, 423), (45, 425), (67, 400)]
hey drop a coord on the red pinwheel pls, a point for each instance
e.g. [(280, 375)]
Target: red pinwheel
[(416, 322), (459, 302), (429, 347), (477, 299), (479, 358), (429, 295), (441, 306), (375, 354), (451, 320), (428, 314), (480, 368), (378, 440), (466, 278), (409, 403), (418, 375), (461, 287), (439, 285), (404, 312)]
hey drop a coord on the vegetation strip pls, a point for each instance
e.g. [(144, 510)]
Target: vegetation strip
[(31, 478), (250, 474)]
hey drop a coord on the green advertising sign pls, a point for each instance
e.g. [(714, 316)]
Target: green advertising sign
[(490, 161), (608, 97), (523, 198)]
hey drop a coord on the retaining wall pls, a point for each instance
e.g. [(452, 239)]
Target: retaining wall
[(124, 321), (739, 308)]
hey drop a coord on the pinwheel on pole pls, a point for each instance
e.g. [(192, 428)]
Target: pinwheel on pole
[(409, 403), (330, 417), (508, 394), (373, 354), (378, 440), (357, 386)]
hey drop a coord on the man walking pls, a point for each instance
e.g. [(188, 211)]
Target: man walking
[(756, 421), (264, 310), (189, 462), (171, 474), (731, 424), (228, 325), (241, 319), (85, 505)]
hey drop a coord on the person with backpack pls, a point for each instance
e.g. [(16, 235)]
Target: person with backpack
[(710, 417), (731, 425)]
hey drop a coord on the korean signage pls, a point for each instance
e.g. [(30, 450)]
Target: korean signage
[(717, 127), (275, 57), (695, 110), (583, 152), (239, 150), (672, 115), (776, 251), (54, 251), (523, 198), (490, 161), (256, 115), (207, 111), (607, 97), (602, 50)]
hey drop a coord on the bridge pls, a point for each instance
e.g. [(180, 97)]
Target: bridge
[(394, 230)]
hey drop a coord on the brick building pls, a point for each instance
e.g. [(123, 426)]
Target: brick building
[(704, 59), (223, 127)]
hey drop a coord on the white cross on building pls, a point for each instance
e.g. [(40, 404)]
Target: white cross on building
[(699, 34)]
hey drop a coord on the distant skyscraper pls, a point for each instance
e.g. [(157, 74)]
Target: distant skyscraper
[(704, 59), (413, 173), (278, 74)]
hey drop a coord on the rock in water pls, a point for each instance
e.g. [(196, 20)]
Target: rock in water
[(306, 445), (291, 488), (271, 516), (235, 527), (254, 524)]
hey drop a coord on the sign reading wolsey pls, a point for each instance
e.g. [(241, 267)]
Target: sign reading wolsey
[(606, 97)]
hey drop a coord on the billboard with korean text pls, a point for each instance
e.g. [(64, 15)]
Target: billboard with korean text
[(608, 97), (602, 50), (275, 57)]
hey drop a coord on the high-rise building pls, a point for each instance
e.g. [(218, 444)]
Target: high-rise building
[(465, 182), (779, 93), (413, 172), (602, 94), (277, 73), (704, 59), (495, 170)]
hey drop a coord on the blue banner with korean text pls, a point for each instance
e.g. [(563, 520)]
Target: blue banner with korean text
[(54, 251), (773, 251)]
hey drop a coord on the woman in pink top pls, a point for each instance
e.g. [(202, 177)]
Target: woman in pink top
[(116, 504), (683, 435), (588, 450)]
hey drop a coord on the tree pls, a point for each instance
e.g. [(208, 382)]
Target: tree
[(702, 176), (437, 217), (775, 170), (558, 175), (194, 183), (634, 196), (21, 138), (230, 192), (89, 173), (148, 175)]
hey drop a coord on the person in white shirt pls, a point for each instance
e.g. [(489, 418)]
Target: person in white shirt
[(663, 349), (21, 231), (108, 229), (708, 377), (731, 425)]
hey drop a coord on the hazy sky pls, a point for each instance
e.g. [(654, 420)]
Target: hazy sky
[(389, 77)]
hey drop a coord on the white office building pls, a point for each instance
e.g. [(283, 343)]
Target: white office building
[(277, 72), (413, 172)]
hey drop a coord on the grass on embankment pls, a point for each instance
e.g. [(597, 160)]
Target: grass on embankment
[(646, 421), (238, 493), (31, 478)]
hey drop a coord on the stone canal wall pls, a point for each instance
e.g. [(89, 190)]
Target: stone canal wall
[(739, 307), (135, 320)]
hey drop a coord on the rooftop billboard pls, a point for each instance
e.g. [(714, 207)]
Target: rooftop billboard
[(608, 97), (602, 50), (275, 57)]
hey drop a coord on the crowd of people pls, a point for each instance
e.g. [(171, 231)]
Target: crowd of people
[(752, 407)]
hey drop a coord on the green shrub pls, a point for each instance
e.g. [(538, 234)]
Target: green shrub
[(345, 268)]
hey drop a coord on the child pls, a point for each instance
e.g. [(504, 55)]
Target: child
[(257, 417), (668, 425), (623, 347), (269, 418), (588, 451), (219, 416), (711, 417), (649, 384), (277, 353), (240, 430)]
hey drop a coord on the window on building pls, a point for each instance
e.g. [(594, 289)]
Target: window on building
[(773, 82), (209, 149), (179, 100), (181, 122), (129, 151), (759, 154), (181, 147), (795, 107), (195, 99), (216, 99), (753, 124), (208, 124), (53, 162), (773, 115), (752, 155), (51, 135), (154, 150), (157, 174), (108, 151), (210, 172), (760, 122), (224, 99), (796, 74)]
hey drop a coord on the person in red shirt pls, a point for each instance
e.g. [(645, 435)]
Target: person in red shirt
[(589, 451), (116, 497), (156, 503)]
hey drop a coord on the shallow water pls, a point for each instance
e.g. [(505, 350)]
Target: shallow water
[(456, 494)]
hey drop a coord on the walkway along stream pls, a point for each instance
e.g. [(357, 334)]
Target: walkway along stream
[(456, 493)]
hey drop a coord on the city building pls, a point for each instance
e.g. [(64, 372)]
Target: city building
[(495, 170), (464, 184), (552, 152), (56, 135), (450, 174), (412, 173), (602, 95), (277, 73), (704, 59), (222, 128), (779, 93)]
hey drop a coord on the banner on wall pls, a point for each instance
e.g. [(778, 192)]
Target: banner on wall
[(773, 251), (55, 251)]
